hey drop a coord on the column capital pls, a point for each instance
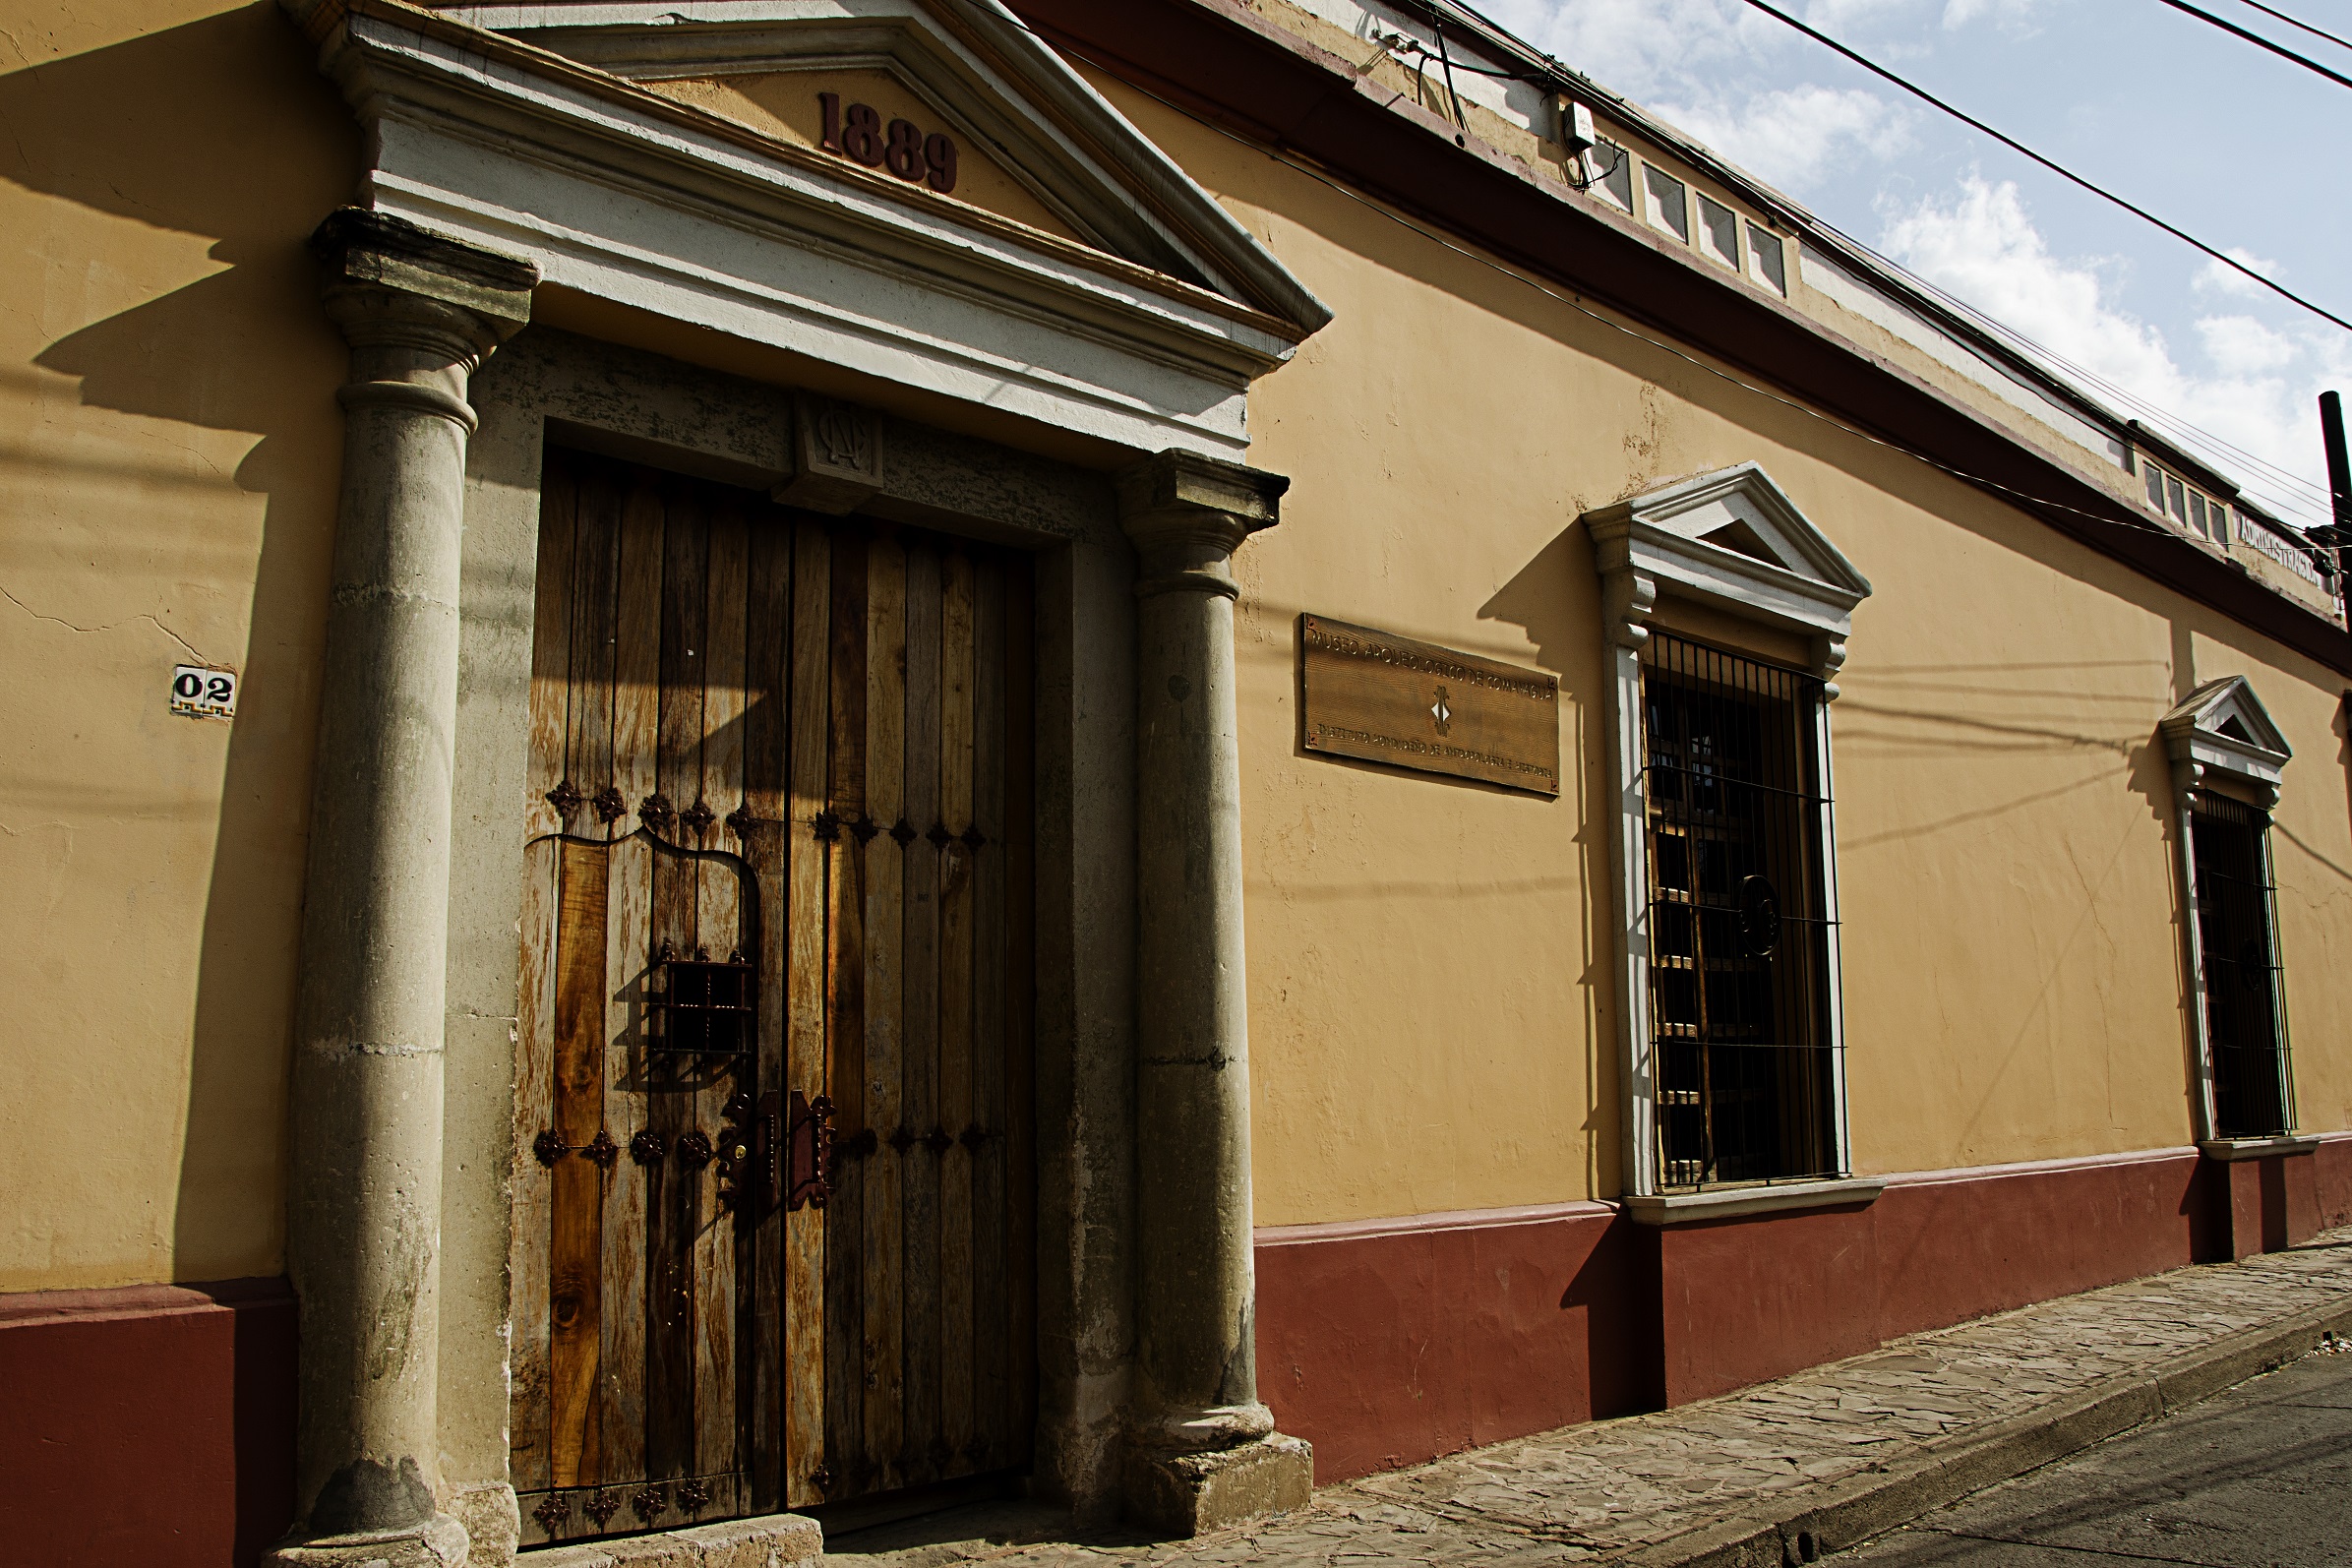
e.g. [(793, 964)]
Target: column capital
[(389, 281), (1188, 512)]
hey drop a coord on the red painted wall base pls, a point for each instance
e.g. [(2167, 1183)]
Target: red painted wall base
[(156, 1424), (1388, 1343), (2332, 1183), (2272, 1203), (151, 1426)]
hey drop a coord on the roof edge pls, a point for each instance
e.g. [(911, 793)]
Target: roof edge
[(1252, 78)]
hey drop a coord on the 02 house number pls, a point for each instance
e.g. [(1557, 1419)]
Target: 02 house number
[(857, 133), (203, 692)]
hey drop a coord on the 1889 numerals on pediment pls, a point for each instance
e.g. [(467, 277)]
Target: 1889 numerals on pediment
[(855, 131)]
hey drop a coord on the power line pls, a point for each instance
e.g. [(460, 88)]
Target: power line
[(2172, 425), (2316, 32), (1549, 72), (2058, 169), (2255, 38), (1581, 308), (1276, 154)]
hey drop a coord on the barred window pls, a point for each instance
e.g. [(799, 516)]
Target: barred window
[(2245, 1012), (1742, 933)]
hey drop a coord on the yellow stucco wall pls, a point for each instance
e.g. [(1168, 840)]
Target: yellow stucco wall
[(168, 455), (1431, 977), (1431, 980)]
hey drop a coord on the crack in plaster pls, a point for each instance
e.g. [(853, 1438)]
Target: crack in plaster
[(92, 631)]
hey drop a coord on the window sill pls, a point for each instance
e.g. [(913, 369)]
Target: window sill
[(2228, 1149), (1727, 1203)]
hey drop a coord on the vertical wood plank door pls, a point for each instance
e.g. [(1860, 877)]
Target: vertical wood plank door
[(772, 1174)]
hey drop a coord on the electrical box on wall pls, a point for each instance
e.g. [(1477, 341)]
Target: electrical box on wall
[(1576, 126)]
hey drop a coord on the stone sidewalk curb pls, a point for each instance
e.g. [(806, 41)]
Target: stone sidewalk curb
[(1815, 1521)]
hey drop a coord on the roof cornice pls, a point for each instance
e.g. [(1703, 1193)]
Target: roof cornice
[(1220, 60)]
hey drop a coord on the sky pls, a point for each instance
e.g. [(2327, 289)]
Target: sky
[(2249, 152)]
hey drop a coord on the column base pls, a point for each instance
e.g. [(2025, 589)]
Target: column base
[(439, 1543), (1185, 1494)]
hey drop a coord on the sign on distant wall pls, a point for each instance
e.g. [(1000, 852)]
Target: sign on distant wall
[(1386, 698), (200, 693)]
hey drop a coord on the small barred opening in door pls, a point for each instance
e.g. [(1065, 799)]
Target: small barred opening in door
[(772, 1180)]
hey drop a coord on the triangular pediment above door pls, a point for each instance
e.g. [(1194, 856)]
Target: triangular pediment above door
[(1025, 137)]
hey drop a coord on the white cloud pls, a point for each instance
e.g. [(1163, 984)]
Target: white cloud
[(1984, 247), (1675, 48), (1646, 48), (1724, 66), (1841, 17), (1795, 137), (2240, 345), (2214, 277), (1981, 244), (2013, 16)]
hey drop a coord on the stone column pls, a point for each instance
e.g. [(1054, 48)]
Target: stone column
[(363, 1217), (1203, 1450)]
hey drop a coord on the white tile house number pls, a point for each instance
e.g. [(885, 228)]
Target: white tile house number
[(201, 692)]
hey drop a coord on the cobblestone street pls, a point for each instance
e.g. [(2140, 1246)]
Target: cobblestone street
[(1689, 1485)]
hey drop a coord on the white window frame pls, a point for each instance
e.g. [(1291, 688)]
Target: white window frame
[(1703, 231), (2206, 759), (1780, 243), (1603, 171), (1658, 544), (1655, 210)]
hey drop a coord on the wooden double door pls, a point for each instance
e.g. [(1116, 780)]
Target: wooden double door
[(772, 1179)]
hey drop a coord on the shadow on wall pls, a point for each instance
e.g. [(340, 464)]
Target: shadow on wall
[(220, 128), (223, 128), (1553, 599)]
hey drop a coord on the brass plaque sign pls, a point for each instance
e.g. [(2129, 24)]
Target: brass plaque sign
[(1414, 705)]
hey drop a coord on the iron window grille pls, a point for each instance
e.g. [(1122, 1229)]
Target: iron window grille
[(1741, 938), (704, 1007), (2246, 1019)]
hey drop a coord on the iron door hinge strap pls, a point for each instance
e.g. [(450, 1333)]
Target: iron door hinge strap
[(806, 1172)]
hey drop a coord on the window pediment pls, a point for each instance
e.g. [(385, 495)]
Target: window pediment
[(1735, 541), (2221, 734)]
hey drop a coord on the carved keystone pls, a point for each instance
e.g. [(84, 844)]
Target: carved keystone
[(836, 456)]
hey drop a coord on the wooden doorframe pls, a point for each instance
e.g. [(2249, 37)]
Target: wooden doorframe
[(637, 406)]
